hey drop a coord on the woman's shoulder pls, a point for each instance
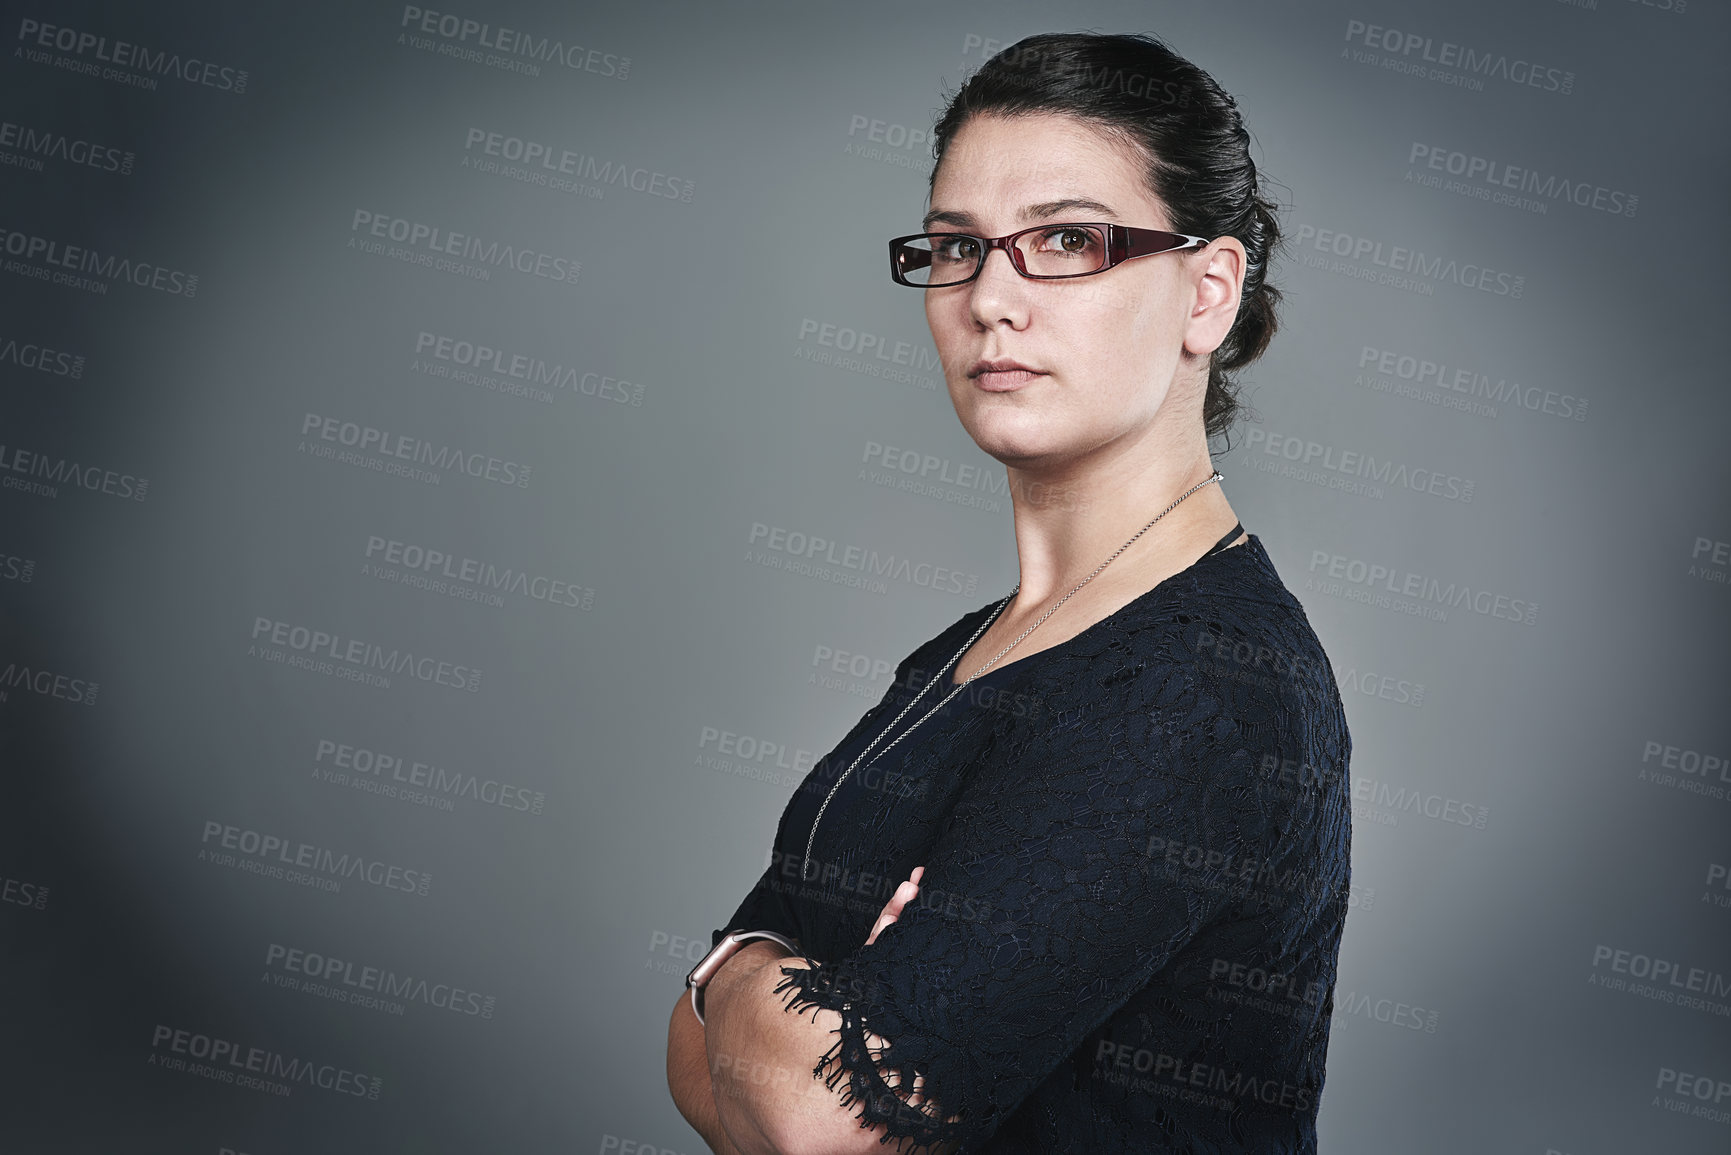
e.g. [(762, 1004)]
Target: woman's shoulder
[(1228, 620), (1241, 579), (1216, 668)]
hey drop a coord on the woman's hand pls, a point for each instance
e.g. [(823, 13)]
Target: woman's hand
[(904, 894)]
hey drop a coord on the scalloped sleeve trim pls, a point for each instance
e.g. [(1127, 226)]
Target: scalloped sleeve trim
[(874, 1081)]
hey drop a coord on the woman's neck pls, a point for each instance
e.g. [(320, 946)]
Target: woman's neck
[(1068, 524)]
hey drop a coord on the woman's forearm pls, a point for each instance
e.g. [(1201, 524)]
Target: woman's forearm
[(761, 1059), (689, 1080)]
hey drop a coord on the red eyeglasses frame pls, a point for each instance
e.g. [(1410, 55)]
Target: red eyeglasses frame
[(1123, 243)]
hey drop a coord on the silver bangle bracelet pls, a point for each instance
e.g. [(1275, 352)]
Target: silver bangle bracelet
[(720, 953)]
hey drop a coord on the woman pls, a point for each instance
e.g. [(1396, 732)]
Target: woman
[(1117, 797)]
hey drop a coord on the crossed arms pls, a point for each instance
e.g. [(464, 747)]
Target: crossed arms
[(746, 1083)]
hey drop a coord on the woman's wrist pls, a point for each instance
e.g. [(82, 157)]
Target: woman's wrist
[(745, 962), (755, 1052)]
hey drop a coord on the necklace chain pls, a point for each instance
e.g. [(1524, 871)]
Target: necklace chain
[(966, 646)]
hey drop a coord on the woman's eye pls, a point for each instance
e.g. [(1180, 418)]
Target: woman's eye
[(1068, 240)]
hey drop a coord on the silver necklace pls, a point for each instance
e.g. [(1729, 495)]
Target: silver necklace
[(960, 686)]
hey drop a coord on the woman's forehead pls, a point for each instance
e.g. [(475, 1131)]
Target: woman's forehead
[(986, 134), (1019, 171)]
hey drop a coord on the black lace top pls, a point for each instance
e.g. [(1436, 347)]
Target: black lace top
[(1136, 863)]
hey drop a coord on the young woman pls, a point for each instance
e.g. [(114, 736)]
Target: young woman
[(1118, 797)]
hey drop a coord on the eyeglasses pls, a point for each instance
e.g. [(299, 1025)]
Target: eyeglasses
[(1042, 253)]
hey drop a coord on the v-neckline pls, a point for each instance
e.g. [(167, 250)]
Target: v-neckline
[(949, 674)]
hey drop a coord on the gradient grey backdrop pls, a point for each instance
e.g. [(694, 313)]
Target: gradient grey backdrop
[(1532, 797)]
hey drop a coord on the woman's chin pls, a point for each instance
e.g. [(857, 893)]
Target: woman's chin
[(1011, 443)]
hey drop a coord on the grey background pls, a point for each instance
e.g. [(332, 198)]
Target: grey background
[(578, 920)]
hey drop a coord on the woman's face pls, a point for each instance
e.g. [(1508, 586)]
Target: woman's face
[(1110, 349)]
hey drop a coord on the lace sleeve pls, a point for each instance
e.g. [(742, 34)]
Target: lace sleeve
[(765, 907), (1057, 909)]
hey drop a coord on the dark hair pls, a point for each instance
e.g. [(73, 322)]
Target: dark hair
[(1197, 150)]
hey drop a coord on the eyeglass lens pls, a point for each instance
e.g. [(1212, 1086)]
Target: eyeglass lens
[(948, 258)]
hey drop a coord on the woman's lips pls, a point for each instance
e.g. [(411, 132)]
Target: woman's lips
[(1005, 380)]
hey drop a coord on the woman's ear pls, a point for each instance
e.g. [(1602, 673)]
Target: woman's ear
[(1218, 286)]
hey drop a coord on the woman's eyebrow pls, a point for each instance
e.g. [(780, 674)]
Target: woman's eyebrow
[(965, 220)]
